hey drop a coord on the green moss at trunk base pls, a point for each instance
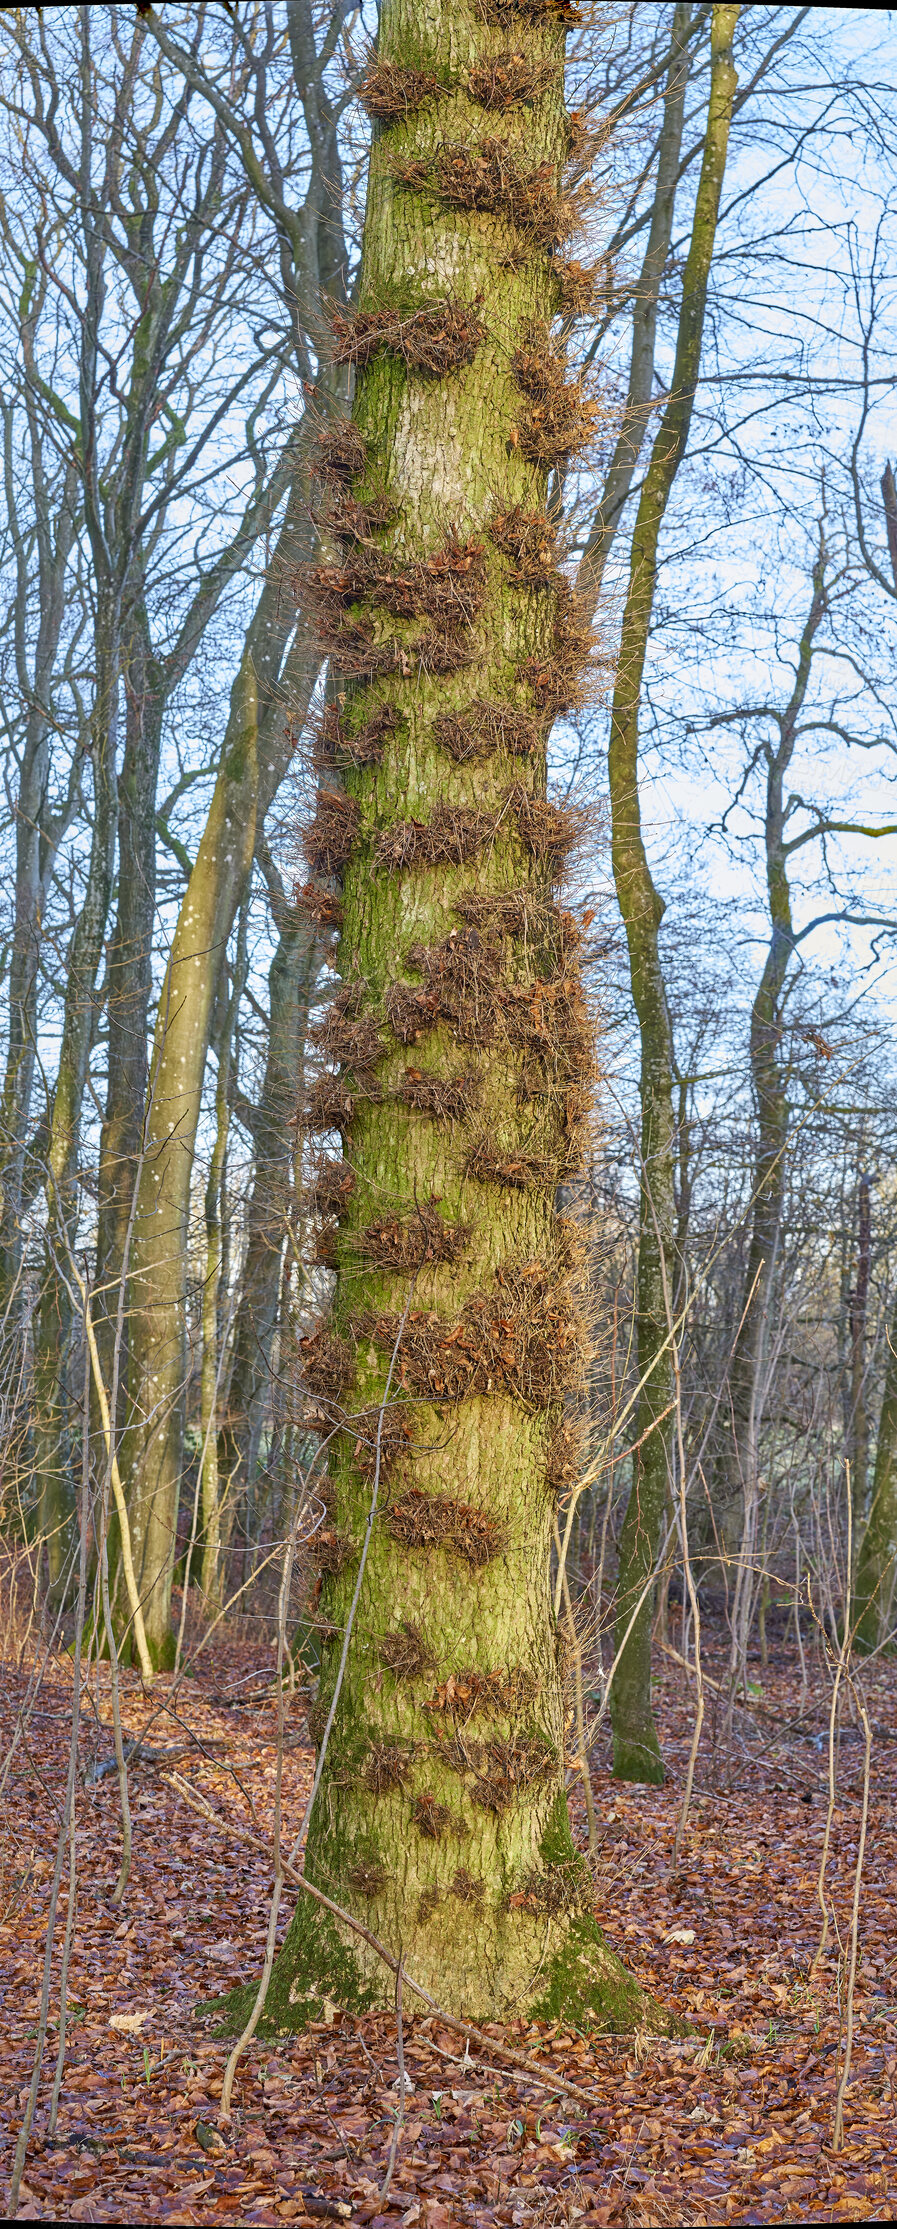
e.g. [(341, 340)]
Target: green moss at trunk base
[(319, 1977), (587, 1986), (639, 1759)]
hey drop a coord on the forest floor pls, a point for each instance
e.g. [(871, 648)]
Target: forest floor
[(731, 2125)]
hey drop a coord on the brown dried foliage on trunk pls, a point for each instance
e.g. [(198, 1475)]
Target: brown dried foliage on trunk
[(565, 1887), (342, 453), (508, 80), (352, 521), (408, 1242), (560, 422), (466, 1887), (330, 1103), (579, 287), (532, 11), (548, 831), (386, 1432), (435, 1521), (330, 1189), (330, 1551), (431, 1819), (404, 1652), (346, 1035), (485, 728), (338, 744), (445, 1098), (328, 840), (486, 177), (367, 1880), (520, 1172), (390, 91), (547, 1020), (526, 1338), (562, 679), (498, 1773), (455, 833), (327, 1363), (321, 906), (387, 1767), (565, 1457), (529, 542), (502, 1693), (525, 914), (437, 339), (447, 587)]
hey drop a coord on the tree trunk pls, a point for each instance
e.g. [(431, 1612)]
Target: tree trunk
[(35, 841), (442, 1817), (876, 1564), (130, 977), (636, 1748), (858, 1308), (291, 978), (79, 1024), (771, 1113), (255, 751)]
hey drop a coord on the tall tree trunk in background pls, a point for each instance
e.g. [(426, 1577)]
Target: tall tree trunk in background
[(268, 685), (291, 980), (35, 841), (875, 1584), (641, 390), (130, 978), (771, 1115), (636, 1748), (858, 1309), (463, 1052), (52, 1331), (216, 1258)]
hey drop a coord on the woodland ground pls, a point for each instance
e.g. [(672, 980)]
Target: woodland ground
[(733, 2125)]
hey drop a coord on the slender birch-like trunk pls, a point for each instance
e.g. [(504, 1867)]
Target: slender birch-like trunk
[(255, 751), (636, 1748)]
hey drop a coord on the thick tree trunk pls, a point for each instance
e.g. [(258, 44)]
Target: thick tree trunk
[(464, 1055), (636, 1749)]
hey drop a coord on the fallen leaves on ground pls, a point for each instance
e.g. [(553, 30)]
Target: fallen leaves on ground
[(732, 2124)]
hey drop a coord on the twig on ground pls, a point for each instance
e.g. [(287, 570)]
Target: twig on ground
[(400, 2108), (490, 2048), (838, 2131)]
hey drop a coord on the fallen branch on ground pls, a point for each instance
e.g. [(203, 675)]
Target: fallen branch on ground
[(484, 2043)]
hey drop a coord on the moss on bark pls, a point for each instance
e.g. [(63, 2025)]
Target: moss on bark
[(442, 1818)]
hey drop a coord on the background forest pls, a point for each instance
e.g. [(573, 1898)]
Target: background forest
[(175, 222), (182, 209)]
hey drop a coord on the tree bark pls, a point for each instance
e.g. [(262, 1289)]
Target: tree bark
[(276, 673), (858, 1309), (291, 979), (876, 1564), (442, 1815), (636, 1748), (771, 1114)]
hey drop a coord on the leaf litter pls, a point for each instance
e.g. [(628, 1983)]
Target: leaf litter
[(732, 2123)]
